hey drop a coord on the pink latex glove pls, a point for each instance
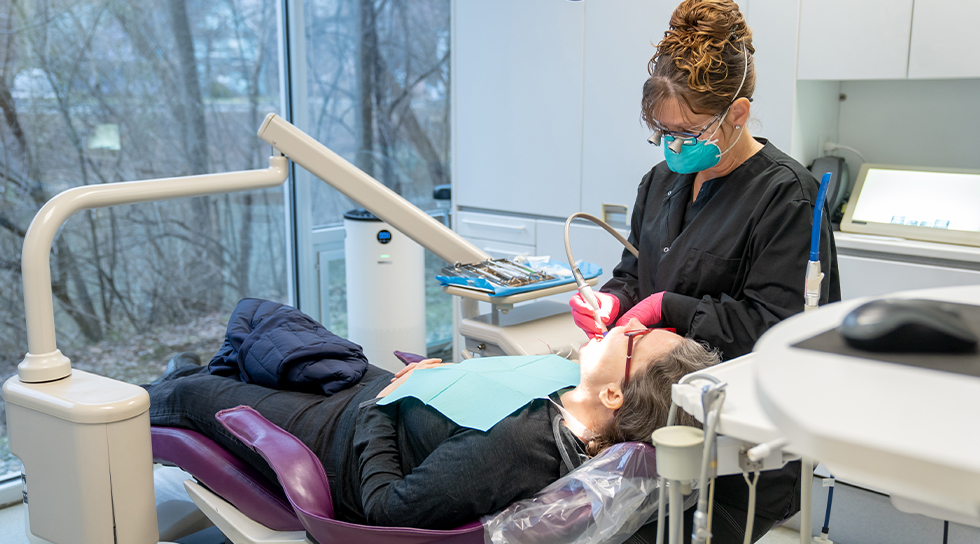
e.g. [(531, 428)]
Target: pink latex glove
[(584, 315), (648, 311)]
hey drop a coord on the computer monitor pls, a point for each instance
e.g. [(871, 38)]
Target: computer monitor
[(930, 204)]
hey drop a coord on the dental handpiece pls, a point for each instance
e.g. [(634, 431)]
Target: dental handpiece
[(589, 297), (583, 286)]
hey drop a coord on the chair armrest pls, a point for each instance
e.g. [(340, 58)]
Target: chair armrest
[(409, 358), (299, 471)]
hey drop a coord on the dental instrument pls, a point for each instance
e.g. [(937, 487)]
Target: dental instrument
[(583, 287)]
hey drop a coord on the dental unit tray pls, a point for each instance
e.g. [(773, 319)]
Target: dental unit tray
[(501, 277)]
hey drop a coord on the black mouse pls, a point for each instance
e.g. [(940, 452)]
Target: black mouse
[(907, 326)]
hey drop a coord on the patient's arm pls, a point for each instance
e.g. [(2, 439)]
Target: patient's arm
[(404, 373), (470, 473)]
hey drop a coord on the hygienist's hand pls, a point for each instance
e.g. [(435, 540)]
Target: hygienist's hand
[(404, 373), (648, 311), (584, 315)]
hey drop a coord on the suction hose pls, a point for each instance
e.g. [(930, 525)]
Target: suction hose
[(583, 287)]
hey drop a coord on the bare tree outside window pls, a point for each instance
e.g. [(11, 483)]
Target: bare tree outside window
[(102, 91), (377, 75)]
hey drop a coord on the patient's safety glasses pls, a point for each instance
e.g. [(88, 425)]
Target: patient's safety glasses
[(629, 351)]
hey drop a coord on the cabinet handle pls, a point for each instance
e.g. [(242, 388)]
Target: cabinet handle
[(495, 225), (504, 252)]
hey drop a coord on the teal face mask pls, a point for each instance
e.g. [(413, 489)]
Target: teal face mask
[(694, 156)]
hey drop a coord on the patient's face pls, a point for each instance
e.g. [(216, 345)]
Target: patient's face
[(604, 361)]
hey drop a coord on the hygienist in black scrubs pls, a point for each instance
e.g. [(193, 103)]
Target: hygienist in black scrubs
[(722, 224)]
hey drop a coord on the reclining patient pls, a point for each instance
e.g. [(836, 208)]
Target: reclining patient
[(407, 465)]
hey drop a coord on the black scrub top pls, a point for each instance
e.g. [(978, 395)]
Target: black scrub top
[(733, 263)]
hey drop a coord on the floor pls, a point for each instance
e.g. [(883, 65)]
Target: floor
[(12, 531)]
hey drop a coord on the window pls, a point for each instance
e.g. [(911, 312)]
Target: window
[(370, 80), (99, 92)]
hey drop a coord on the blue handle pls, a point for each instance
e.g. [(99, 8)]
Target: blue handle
[(818, 218)]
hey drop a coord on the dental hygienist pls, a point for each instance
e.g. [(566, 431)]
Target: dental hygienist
[(722, 224)]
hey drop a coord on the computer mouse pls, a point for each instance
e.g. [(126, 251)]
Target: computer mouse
[(907, 326)]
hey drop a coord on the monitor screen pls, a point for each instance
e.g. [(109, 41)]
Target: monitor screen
[(919, 204)]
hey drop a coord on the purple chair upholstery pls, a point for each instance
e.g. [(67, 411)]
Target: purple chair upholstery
[(308, 491), (225, 474), (408, 358)]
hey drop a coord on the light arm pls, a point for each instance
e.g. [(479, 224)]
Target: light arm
[(368, 192), (44, 361)]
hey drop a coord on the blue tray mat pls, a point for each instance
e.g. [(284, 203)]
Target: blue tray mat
[(589, 270)]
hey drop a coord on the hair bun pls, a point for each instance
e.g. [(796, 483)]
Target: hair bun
[(702, 39), (718, 20)]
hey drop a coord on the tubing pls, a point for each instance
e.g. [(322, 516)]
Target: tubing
[(826, 518), (676, 513), (750, 518), (806, 502), (818, 218), (584, 288)]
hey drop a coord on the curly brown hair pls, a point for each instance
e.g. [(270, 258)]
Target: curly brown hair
[(700, 61), (646, 397)]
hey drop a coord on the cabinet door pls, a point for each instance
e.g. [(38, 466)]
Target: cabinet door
[(589, 243), (620, 38), (848, 39), (943, 44), (517, 76)]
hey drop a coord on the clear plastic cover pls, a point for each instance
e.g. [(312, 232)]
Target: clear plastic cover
[(605, 500)]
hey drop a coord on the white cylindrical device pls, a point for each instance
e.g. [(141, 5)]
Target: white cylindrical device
[(385, 289)]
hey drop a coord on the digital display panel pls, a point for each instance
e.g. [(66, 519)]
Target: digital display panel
[(936, 200)]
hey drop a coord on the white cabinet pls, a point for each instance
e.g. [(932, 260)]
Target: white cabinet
[(943, 43), (870, 277), (849, 39), (510, 229), (620, 38), (500, 236), (517, 78)]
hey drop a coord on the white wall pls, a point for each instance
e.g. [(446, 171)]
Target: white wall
[(912, 122), (774, 28), (815, 118)]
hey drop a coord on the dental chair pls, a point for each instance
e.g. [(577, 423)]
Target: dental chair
[(249, 509)]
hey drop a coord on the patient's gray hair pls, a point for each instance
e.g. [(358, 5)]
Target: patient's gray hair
[(646, 398)]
